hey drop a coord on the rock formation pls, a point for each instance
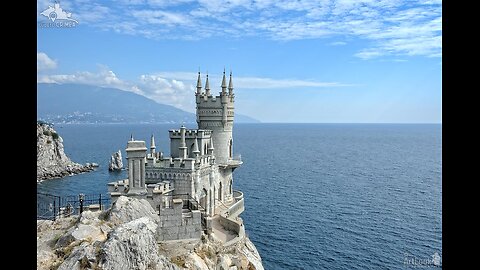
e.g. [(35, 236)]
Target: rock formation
[(123, 237), (51, 159), (115, 163)]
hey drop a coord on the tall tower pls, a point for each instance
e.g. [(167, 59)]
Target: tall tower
[(216, 113), (136, 153)]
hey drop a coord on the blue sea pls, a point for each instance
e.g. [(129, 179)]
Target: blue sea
[(317, 196)]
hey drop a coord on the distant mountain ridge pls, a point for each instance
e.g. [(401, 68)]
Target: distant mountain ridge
[(78, 103)]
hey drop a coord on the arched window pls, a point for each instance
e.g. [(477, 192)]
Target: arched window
[(220, 192), (230, 146)]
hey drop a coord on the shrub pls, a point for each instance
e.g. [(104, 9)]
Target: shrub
[(54, 135), (178, 260)]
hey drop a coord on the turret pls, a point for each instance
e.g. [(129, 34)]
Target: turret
[(217, 114), (230, 86), (183, 145), (136, 153), (207, 87), (195, 151), (199, 85), (224, 84), (152, 146)]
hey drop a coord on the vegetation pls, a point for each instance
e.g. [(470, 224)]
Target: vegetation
[(44, 123), (178, 260), (51, 133)]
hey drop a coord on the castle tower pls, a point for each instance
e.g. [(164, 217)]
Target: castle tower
[(136, 153), (216, 113)]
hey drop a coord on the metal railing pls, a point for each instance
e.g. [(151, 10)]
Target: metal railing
[(188, 201), (51, 206)]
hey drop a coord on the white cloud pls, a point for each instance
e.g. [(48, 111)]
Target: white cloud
[(44, 62), (246, 82), (175, 88), (413, 26), (103, 77), (161, 17), (338, 43)]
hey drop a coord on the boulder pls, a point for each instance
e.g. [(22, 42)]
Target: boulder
[(133, 246), (82, 257), (126, 209)]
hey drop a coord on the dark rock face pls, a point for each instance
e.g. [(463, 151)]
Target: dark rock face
[(51, 159)]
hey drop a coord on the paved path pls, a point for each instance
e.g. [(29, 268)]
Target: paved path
[(221, 233)]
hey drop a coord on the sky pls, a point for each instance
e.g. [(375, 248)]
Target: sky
[(304, 61)]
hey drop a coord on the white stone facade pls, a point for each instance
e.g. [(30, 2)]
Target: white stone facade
[(198, 174)]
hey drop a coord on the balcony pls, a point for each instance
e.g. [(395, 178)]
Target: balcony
[(232, 209), (233, 163)]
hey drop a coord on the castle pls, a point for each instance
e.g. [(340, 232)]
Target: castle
[(192, 189)]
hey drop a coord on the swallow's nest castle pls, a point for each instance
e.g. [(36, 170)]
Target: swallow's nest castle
[(192, 189)]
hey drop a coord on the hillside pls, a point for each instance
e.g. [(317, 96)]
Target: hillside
[(76, 103)]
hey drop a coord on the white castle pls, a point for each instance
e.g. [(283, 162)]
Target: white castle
[(192, 189)]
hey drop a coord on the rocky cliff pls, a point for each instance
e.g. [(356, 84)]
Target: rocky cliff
[(115, 163), (123, 237), (51, 159)]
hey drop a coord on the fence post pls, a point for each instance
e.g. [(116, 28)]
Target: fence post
[(54, 210), (80, 197), (100, 201)]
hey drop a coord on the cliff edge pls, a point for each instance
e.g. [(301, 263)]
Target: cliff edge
[(123, 237), (51, 159)]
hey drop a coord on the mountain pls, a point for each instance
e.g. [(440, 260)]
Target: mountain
[(78, 103)]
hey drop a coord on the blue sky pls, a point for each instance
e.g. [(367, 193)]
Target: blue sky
[(325, 61)]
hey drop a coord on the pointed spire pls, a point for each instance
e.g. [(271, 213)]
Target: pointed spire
[(207, 87), (210, 146), (199, 84), (131, 137), (230, 85), (183, 146), (224, 83), (152, 145), (195, 151)]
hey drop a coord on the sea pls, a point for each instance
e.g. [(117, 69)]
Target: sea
[(317, 196)]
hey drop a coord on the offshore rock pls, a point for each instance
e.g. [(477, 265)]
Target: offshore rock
[(51, 159), (116, 163)]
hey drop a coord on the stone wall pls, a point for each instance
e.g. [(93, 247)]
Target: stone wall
[(177, 225)]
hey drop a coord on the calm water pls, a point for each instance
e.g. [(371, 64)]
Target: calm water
[(317, 196)]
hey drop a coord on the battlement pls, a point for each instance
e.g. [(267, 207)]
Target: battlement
[(187, 163), (211, 101), (190, 133)]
